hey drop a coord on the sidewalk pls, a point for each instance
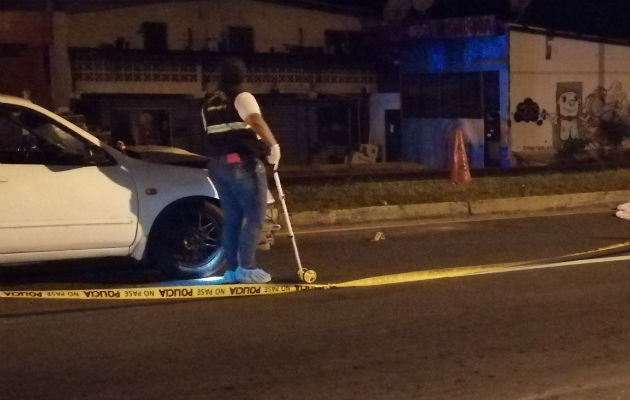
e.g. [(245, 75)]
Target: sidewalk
[(336, 172), (342, 173), (411, 170), (506, 206)]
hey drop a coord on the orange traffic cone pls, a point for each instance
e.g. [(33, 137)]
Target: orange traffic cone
[(460, 172)]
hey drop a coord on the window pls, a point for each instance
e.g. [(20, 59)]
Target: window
[(450, 93), (465, 95), (27, 137), (421, 96), (455, 95), (240, 39), (11, 140), (155, 36), (340, 43), (334, 125)]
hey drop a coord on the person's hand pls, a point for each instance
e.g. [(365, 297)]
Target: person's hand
[(274, 156)]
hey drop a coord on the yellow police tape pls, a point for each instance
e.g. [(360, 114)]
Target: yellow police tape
[(166, 292), (214, 291), (440, 273)]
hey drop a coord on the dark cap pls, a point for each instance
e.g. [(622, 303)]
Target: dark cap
[(232, 71)]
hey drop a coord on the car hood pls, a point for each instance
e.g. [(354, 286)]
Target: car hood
[(166, 155)]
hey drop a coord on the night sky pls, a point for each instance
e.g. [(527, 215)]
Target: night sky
[(603, 17), (606, 18), (609, 18)]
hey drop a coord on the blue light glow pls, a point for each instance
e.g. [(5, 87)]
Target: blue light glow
[(484, 53), (426, 140), (437, 58), (211, 280), (461, 55)]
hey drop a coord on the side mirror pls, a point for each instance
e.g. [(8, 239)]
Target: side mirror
[(98, 155)]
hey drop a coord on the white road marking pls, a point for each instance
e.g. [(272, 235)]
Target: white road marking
[(436, 221), (558, 264)]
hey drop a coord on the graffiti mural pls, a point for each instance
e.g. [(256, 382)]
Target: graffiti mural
[(593, 107), (594, 124), (529, 111), (606, 115), (568, 129)]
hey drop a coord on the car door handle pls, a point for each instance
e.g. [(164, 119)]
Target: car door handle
[(3, 179)]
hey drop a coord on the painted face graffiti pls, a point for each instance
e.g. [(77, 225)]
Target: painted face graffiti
[(568, 104)]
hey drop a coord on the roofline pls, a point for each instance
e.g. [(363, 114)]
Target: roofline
[(329, 7), (566, 34), (306, 4)]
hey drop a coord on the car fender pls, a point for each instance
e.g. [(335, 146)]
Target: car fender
[(137, 251), (159, 186)]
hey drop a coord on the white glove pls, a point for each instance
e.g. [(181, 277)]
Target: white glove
[(274, 156)]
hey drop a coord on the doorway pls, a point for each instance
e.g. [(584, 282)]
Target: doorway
[(142, 126), (491, 119), (392, 135)]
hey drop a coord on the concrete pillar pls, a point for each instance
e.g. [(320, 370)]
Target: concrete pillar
[(60, 70)]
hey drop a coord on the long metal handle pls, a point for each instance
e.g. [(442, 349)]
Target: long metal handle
[(276, 178)]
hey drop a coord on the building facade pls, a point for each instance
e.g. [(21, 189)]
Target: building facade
[(522, 95), (328, 81), (161, 59), (568, 94), (25, 43), (148, 66)]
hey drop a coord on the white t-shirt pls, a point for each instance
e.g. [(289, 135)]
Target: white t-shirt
[(246, 105)]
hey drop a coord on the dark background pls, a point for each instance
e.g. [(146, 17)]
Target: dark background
[(606, 18)]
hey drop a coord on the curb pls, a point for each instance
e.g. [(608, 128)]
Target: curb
[(604, 200), (549, 203)]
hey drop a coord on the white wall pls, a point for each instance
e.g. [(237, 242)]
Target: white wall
[(379, 102), (532, 75), (274, 25)]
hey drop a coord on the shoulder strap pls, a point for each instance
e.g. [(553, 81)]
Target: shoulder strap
[(216, 103)]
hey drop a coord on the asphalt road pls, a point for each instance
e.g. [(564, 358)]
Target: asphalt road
[(554, 333)]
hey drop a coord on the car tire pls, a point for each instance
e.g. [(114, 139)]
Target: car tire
[(185, 242)]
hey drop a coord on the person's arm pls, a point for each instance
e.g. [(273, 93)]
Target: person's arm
[(258, 125), (249, 111)]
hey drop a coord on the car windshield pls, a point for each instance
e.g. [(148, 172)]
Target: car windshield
[(33, 138)]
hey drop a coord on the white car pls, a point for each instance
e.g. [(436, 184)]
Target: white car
[(64, 194)]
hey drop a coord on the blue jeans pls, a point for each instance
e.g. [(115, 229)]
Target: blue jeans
[(242, 189)]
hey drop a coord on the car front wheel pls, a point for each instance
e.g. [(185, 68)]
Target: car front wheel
[(185, 242)]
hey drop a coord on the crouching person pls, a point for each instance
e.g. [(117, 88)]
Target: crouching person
[(238, 141)]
